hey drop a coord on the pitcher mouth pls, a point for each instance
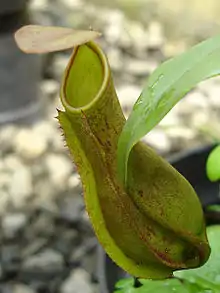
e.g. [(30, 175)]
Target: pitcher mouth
[(85, 79)]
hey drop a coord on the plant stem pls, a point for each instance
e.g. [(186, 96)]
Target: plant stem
[(137, 283)]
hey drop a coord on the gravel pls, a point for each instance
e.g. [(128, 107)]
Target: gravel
[(78, 281), (13, 223)]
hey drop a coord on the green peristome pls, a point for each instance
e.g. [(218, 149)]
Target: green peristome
[(153, 227)]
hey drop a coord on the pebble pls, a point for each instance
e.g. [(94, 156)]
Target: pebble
[(72, 4), (20, 188), (59, 65), (59, 168), (47, 260), (86, 225), (128, 95), (29, 145), (199, 119), (2, 165), (77, 255), (159, 140), (197, 100), (155, 35), (5, 179), (70, 208), (83, 251), (170, 120), (45, 130), (22, 288), (208, 85), (50, 87), (115, 59), (34, 247), (4, 201), (78, 281), (41, 286), (74, 181), (10, 259), (38, 4), (7, 134), (38, 171), (138, 35), (6, 288), (214, 96), (140, 68), (125, 42), (173, 48), (88, 262), (43, 225), (114, 29), (13, 163), (181, 132), (65, 243), (112, 34), (45, 194), (12, 224)]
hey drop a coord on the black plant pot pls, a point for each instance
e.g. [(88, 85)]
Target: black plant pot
[(20, 73), (191, 165), (11, 6)]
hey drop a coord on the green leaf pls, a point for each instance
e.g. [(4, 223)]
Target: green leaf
[(213, 208), (166, 86), (207, 276), (164, 286), (213, 165)]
